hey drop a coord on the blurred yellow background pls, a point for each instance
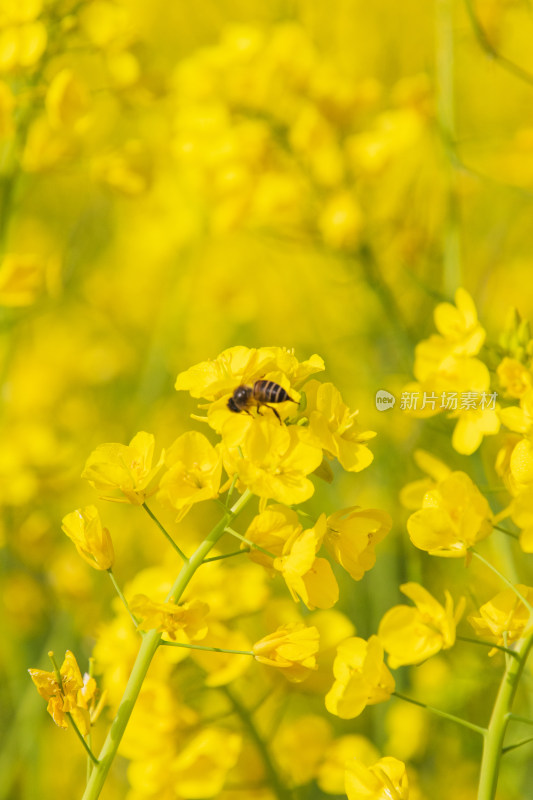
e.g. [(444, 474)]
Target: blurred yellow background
[(177, 178)]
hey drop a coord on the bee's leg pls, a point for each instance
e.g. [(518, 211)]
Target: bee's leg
[(258, 408), (275, 412), (248, 412)]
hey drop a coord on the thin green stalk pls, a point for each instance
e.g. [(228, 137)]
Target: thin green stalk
[(165, 533), (507, 533), (482, 642), (517, 718), (505, 580), (210, 649), (82, 740), (518, 744), (493, 744), (149, 645), (227, 555), (444, 714), (281, 791), (123, 599), (250, 543)]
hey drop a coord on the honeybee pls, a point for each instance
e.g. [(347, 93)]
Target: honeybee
[(260, 394)]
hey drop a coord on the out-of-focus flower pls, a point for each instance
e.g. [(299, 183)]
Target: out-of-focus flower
[(515, 378), (332, 770), (23, 38), (22, 279), (93, 541), (460, 332), (412, 495), (200, 769), (299, 745), (122, 472), (408, 731), (171, 618), (292, 649), (454, 516), (128, 171), (361, 678), (333, 427), (411, 635), (522, 514), (385, 779), (307, 576), (341, 221), (519, 418), (222, 668), (351, 536), (7, 103), (67, 101), (72, 694), (193, 474), (505, 618)]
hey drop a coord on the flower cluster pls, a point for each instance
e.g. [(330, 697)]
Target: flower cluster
[(275, 452)]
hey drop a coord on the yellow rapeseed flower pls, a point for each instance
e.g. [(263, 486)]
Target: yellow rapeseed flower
[(171, 618), (333, 427), (385, 780), (93, 541), (292, 649), (122, 472), (271, 530), (70, 694), (412, 494), (22, 279), (193, 474), (351, 536), (331, 773), (307, 577), (515, 378), (273, 462), (505, 618), (200, 769), (67, 101), (361, 678), (243, 365), (411, 635), (454, 516), (299, 745)]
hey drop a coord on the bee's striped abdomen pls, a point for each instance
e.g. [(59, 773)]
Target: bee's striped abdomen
[(269, 392)]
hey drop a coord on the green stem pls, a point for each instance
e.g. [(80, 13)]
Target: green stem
[(493, 744), (120, 594), (82, 740), (518, 744), (482, 642), (227, 555), (505, 580), (517, 718), (165, 533), (250, 543), (459, 720), (507, 533), (148, 647), (281, 791), (210, 649)]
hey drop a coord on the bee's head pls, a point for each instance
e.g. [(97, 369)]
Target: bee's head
[(232, 405)]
